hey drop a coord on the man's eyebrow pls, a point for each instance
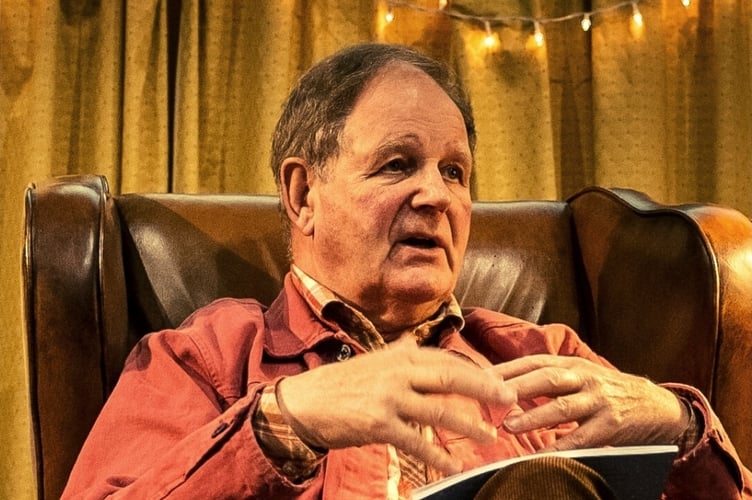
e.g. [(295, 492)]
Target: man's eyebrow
[(390, 145), (462, 157), (413, 141)]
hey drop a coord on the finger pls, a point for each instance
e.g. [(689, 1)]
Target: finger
[(563, 409), (439, 372), (548, 381), (526, 364), (453, 414)]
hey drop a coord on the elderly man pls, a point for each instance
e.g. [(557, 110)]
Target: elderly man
[(364, 378)]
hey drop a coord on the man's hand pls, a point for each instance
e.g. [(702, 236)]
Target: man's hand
[(611, 407), (374, 398)]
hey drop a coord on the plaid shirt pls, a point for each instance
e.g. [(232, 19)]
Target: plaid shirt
[(284, 448)]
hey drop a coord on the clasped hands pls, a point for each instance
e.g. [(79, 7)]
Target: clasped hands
[(374, 398)]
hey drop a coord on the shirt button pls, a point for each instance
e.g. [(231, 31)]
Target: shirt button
[(345, 352), (290, 469)]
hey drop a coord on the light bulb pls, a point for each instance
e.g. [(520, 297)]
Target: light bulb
[(585, 23), (538, 35), (389, 16), (637, 16), (491, 40)]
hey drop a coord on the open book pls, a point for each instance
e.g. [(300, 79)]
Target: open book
[(632, 472)]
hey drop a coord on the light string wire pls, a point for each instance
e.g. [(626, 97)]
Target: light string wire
[(485, 21), (508, 19)]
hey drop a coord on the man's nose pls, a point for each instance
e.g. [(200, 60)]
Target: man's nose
[(432, 190)]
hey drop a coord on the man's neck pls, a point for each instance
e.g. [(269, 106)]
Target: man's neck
[(352, 319)]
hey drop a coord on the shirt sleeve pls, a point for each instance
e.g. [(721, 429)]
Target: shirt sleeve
[(179, 418), (710, 468)]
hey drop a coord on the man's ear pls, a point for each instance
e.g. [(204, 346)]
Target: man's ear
[(296, 176)]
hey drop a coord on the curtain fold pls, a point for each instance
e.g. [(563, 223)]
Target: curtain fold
[(143, 83), (182, 96)]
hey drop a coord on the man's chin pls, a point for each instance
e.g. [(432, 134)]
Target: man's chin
[(420, 290)]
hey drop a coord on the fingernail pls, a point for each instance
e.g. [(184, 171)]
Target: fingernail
[(511, 423)]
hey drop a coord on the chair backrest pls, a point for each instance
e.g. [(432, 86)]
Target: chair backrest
[(660, 291)]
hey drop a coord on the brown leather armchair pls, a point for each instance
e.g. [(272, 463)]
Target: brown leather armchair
[(658, 290)]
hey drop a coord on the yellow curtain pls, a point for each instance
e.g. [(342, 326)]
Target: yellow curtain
[(169, 95)]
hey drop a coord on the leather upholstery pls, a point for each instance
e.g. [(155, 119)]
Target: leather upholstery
[(660, 291)]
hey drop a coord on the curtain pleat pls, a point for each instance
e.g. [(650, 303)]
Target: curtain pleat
[(183, 95), (143, 82)]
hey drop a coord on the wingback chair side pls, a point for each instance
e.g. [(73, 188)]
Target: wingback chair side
[(671, 288)]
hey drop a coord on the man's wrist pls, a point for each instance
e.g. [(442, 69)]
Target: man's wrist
[(279, 442)]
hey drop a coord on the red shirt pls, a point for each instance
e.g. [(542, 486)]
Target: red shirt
[(178, 425)]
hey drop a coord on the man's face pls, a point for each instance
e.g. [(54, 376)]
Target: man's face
[(391, 218)]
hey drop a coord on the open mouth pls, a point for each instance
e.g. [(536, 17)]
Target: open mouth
[(420, 242)]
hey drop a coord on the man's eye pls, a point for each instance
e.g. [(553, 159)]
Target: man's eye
[(454, 173), (396, 165)]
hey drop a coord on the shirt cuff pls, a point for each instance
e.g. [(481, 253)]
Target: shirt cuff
[(284, 449), (689, 438), (693, 433)]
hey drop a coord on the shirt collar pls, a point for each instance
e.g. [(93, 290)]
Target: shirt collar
[(337, 314)]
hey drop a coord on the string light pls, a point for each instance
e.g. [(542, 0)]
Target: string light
[(489, 40), (538, 34), (586, 17), (445, 9), (389, 16), (637, 15), (586, 23), (510, 19)]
